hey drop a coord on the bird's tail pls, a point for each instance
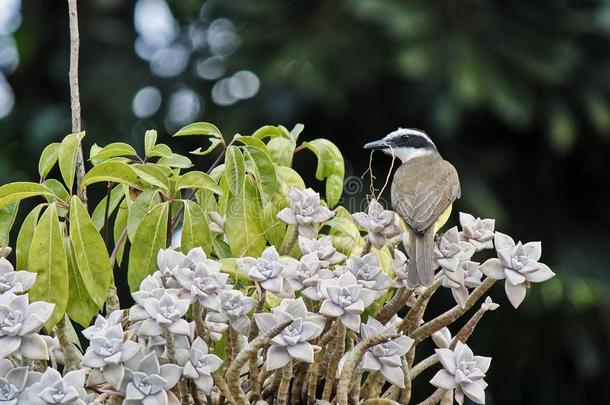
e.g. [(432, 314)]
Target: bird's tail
[(421, 268)]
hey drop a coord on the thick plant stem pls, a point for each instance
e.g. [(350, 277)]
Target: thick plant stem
[(468, 328), (255, 386), (312, 380), (282, 392), (171, 357), (411, 321), (222, 386), (405, 393), (331, 372), (367, 247), (390, 309), (298, 382), (423, 365), (435, 398), (451, 315), (71, 360), (75, 95)]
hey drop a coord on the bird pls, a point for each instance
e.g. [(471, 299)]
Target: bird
[(423, 190)]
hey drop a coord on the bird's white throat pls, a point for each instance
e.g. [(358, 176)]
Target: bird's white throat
[(405, 154)]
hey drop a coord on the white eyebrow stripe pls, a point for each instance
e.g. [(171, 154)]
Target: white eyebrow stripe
[(408, 131)]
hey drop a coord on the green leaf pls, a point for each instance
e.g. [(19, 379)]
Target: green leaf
[(80, 306), (153, 176), (206, 200), (114, 150), (200, 128), (214, 142), (345, 234), (150, 139), (67, 157), (139, 208), (330, 167), (60, 194), (289, 178), (273, 200), (282, 150), (48, 158), (179, 161), (198, 180), (116, 195), (24, 239), (195, 229), (90, 252), (48, 260), (117, 172), (221, 249), (7, 218), (13, 192), (161, 150), (149, 238), (120, 224), (235, 169), (242, 228), (271, 131), (252, 141)]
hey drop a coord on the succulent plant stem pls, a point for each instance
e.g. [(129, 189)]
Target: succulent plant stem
[(71, 360), (282, 393), (392, 307), (434, 398), (331, 370)]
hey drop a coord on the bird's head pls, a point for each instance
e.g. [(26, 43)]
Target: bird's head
[(405, 144)]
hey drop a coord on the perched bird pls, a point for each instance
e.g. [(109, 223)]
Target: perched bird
[(423, 190)]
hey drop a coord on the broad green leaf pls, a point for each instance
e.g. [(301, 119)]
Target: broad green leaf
[(48, 260), (161, 150), (99, 214), (59, 194), (13, 192), (149, 238), (48, 158), (273, 200), (223, 199), (270, 131), (252, 141), (67, 157), (7, 218), (179, 161), (120, 224), (345, 234), (330, 167), (139, 208), (200, 128), (90, 252), (235, 169), (243, 224), (282, 150), (24, 238), (150, 139), (217, 172), (153, 176), (198, 180), (289, 178), (221, 249), (195, 229), (117, 172), (214, 142), (207, 200), (114, 150), (80, 306)]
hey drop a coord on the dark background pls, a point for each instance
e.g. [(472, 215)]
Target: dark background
[(515, 94)]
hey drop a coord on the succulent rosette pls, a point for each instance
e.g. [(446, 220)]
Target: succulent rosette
[(14, 382), (150, 383), (270, 271), (199, 365), (368, 272), (305, 212), (381, 224), (323, 248), (202, 284), (55, 389), (160, 315), (13, 281), (234, 310), (476, 231)]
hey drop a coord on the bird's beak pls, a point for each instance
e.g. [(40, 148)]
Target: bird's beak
[(380, 144)]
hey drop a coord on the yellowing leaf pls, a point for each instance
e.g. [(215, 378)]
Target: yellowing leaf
[(48, 260), (80, 307), (330, 167), (198, 180), (48, 158), (67, 157), (150, 139), (115, 171), (200, 128), (195, 229), (7, 218), (24, 238), (243, 228), (13, 192), (235, 169)]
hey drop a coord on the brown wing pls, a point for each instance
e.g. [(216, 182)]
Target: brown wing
[(423, 188)]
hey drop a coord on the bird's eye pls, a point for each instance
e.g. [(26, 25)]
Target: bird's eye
[(404, 137)]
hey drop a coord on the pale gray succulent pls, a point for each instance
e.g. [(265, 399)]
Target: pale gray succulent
[(450, 251), (311, 286), (149, 383), (476, 231), (518, 264), (305, 212), (55, 389), (466, 276), (380, 224), (150, 287), (368, 272), (442, 338), (217, 224), (5, 251), (199, 365), (108, 350), (305, 271), (346, 299), (323, 248), (292, 342), (13, 281), (19, 323), (270, 271), (234, 310), (101, 324), (160, 315), (169, 260), (202, 284), (463, 372), (14, 381), (385, 357), (400, 263), (215, 329)]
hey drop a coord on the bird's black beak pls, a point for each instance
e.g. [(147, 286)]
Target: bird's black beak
[(380, 144)]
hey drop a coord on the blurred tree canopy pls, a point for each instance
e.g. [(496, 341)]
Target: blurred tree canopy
[(515, 94)]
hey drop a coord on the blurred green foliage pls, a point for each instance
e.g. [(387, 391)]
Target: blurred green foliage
[(515, 94)]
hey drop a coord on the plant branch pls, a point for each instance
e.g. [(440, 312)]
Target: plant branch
[(71, 360), (434, 398)]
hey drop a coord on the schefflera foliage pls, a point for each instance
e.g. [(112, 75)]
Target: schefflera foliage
[(230, 211)]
